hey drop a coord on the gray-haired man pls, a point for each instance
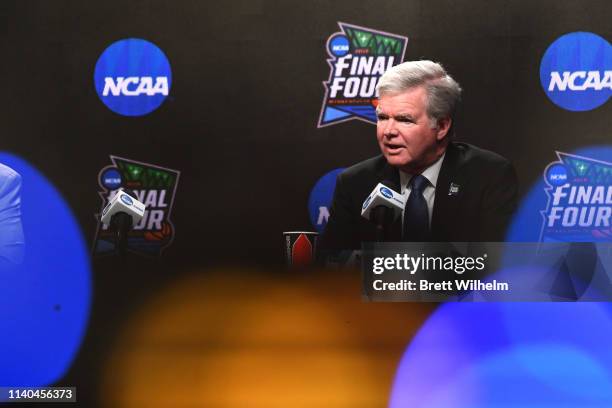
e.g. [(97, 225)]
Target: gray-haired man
[(454, 191)]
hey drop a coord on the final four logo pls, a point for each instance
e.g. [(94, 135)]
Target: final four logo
[(359, 57), (579, 200), (154, 186)]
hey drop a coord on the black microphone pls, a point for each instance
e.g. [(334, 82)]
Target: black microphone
[(122, 212), (382, 206)]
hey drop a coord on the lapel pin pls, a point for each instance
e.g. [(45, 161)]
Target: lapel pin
[(453, 189)]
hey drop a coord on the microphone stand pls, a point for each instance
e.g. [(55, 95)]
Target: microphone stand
[(121, 223), (382, 216)]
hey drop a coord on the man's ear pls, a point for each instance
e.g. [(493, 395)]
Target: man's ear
[(443, 128)]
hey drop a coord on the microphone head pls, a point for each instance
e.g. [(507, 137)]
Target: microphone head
[(126, 203), (382, 195)]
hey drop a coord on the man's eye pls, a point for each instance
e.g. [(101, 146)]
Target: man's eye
[(382, 117), (405, 120)]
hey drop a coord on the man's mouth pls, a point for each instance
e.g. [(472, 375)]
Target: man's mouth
[(393, 148)]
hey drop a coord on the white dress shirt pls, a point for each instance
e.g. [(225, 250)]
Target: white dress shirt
[(431, 173)]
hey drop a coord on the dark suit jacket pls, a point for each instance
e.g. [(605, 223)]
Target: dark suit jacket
[(478, 212)]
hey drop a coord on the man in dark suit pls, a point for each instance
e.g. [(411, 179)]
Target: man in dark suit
[(453, 191)]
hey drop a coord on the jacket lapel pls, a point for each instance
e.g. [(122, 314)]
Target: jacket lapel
[(443, 212)]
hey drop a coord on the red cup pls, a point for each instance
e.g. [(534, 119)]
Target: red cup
[(300, 247)]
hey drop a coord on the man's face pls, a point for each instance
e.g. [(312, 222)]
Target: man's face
[(404, 131)]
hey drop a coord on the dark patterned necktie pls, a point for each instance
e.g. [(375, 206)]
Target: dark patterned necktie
[(416, 216)]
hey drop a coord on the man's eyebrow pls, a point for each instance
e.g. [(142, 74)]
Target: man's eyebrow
[(399, 116), (403, 116)]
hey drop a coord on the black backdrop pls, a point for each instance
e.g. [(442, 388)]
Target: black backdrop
[(240, 121)]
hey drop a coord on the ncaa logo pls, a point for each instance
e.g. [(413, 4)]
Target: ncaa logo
[(111, 178), (576, 71), (132, 77), (386, 192), (338, 45), (320, 199), (556, 174), (127, 200)]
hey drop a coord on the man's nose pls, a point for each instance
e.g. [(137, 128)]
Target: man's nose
[(390, 128)]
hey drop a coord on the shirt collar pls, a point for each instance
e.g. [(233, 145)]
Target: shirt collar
[(431, 173)]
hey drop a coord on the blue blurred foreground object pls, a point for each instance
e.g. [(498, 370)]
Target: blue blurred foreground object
[(45, 299)]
